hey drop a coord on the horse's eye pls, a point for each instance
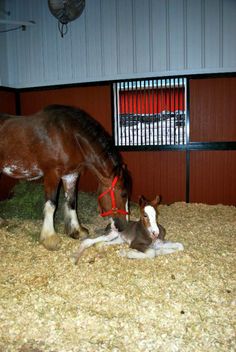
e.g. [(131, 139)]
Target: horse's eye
[(145, 215)]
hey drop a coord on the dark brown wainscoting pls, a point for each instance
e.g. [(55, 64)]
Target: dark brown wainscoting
[(213, 109), (158, 173), (212, 177)]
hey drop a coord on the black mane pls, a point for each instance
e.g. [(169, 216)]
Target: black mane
[(94, 131)]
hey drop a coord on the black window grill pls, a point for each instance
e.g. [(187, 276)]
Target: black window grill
[(150, 112)]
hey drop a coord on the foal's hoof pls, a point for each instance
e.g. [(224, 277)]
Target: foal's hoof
[(52, 243)]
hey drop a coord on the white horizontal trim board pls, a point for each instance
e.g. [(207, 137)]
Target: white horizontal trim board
[(118, 39)]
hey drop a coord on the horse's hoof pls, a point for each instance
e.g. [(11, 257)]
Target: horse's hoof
[(52, 243), (78, 234), (84, 232), (75, 235)]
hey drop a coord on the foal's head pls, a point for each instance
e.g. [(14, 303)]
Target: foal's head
[(148, 215)]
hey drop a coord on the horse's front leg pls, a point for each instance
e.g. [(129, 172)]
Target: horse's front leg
[(48, 236), (72, 225)]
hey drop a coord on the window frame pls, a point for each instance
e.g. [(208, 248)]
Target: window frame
[(156, 129)]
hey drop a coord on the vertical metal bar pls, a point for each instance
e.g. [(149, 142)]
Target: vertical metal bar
[(137, 130), (144, 111), (116, 107), (149, 109), (187, 108), (161, 111), (129, 115), (179, 92), (141, 117), (166, 111), (187, 122), (158, 113), (115, 111), (133, 113), (153, 113), (174, 122), (169, 117), (126, 110)]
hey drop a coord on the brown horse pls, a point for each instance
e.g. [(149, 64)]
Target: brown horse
[(57, 144)]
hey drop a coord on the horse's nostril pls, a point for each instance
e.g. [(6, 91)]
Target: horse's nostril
[(155, 234)]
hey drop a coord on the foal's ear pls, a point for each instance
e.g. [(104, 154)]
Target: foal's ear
[(142, 201), (155, 201)]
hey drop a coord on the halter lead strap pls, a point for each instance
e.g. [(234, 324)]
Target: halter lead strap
[(114, 210)]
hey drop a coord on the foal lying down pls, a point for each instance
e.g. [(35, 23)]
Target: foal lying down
[(145, 237)]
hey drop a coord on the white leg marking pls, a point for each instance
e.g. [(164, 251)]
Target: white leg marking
[(163, 248), (48, 224), (72, 216), (118, 240)]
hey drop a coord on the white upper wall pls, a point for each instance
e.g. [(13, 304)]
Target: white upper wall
[(117, 39)]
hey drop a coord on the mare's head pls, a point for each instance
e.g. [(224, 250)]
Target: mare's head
[(148, 215), (114, 194)]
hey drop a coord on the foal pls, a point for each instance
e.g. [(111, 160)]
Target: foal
[(138, 234)]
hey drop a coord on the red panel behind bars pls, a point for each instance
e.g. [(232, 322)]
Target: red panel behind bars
[(151, 101)]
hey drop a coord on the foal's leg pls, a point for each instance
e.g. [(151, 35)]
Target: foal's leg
[(135, 254), (48, 236), (166, 247), (72, 225), (88, 242)]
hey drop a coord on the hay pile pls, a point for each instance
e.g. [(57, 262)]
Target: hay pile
[(180, 302)]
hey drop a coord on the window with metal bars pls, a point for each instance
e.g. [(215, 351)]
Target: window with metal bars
[(150, 112)]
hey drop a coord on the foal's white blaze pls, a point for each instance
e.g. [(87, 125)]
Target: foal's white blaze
[(151, 213)]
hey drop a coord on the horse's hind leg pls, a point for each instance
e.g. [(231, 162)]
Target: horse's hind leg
[(48, 236), (72, 225)]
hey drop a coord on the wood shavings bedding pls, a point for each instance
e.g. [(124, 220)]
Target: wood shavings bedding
[(184, 301)]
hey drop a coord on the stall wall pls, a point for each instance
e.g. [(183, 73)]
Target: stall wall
[(119, 39), (212, 119), (213, 109)]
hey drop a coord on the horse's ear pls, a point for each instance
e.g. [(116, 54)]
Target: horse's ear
[(142, 201), (155, 201), (123, 169)]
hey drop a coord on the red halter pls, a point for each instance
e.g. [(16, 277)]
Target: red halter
[(114, 210)]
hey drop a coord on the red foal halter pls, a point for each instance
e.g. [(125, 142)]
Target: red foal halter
[(114, 210)]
